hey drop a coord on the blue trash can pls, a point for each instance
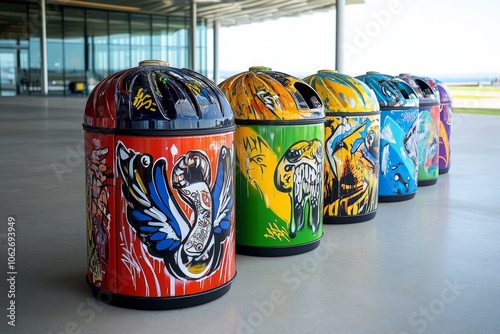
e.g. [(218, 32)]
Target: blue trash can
[(398, 136)]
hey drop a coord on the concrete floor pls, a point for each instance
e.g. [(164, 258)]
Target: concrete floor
[(428, 265)]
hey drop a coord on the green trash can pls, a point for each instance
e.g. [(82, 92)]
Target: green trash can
[(352, 135), (445, 116), (279, 141), (428, 134)]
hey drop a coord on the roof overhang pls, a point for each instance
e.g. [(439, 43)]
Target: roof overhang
[(226, 12)]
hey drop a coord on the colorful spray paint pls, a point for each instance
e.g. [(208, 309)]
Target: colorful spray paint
[(398, 176), (428, 129), (445, 116), (351, 147), (160, 189), (279, 141)]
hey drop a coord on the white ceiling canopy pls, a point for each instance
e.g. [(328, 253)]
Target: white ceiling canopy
[(226, 12)]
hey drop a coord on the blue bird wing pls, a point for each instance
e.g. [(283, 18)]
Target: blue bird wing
[(222, 194), (151, 211)]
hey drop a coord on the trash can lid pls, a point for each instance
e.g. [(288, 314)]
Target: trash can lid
[(262, 94), (442, 89), (390, 92), (343, 93), (155, 96), (427, 95)]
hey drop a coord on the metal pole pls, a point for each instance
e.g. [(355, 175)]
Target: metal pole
[(44, 77), (192, 37), (216, 52), (339, 47)]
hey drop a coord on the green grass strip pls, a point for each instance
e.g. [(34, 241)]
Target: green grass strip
[(472, 97), (477, 111), (477, 88)]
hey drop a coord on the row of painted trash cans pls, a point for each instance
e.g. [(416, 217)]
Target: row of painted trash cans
[(182, 174)]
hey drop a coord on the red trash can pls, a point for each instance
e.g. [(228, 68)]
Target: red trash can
[(159, 188)]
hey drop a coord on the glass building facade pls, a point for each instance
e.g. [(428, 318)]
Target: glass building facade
[(86, 45)]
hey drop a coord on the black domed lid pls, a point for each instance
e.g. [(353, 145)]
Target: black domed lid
[(427, 95), (155, 96)]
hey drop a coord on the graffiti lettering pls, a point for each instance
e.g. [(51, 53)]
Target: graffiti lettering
[(144, 100), (253, 148), (275, 232)]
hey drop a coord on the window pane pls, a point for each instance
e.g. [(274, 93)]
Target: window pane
[(74, 48), (140, 38), (55, 55), (119, 38), (34, 53), (97, 46), (178, 42), (160, 29), (201, 47), (14, 71), (90, 44)]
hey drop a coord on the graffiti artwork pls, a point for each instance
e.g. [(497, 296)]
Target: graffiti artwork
[(279, 162), (299, 173), (399, 153), (351, 174), (444, 137), (160, 221), (428, 145), (191, 248), (99, 177), (280, 185)]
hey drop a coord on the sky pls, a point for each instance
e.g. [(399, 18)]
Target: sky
[(439, 38)]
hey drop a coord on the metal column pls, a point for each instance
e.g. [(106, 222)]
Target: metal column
[(192, 37), (339, 44), (216, 52), (44, 78)]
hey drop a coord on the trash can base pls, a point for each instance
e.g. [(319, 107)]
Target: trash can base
[(423, 183), (159, 303), (348, 219), (399, 198), (444, 170), (276, 251)]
